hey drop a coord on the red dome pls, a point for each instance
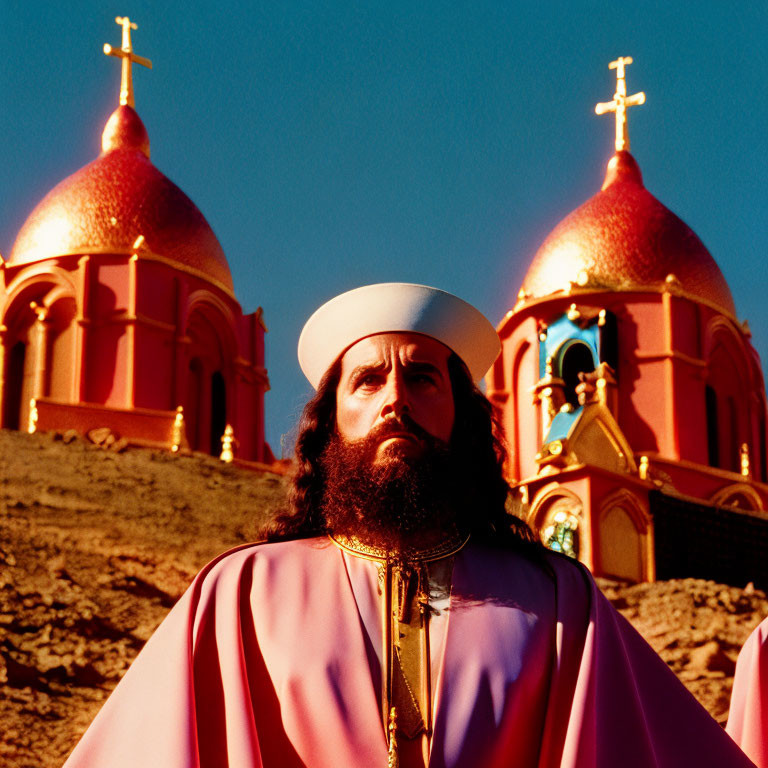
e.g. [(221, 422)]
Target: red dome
[(105, 206), (624, 239)]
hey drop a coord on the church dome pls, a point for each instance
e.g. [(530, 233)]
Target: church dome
[(624, 239), (105, 206)]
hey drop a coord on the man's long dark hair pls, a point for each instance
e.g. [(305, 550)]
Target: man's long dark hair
[(476, 437)]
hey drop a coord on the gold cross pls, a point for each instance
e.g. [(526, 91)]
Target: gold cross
[(128, 57), (620, 102)]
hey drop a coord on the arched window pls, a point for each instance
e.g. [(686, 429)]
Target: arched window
[(562, 534), (576, 359), (738, 496), (729, 386), (621, 548), (557, 519), (218, 411)]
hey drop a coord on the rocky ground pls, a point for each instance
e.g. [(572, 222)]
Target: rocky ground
[(697, 627), (96, 545)]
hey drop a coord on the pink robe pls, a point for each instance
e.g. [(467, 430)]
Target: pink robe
[(748, 718), (266, 661)]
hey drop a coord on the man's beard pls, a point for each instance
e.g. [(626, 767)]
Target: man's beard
[(395, 499)]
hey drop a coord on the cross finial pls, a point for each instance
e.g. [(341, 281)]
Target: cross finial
[(125, 52), (620, 102)]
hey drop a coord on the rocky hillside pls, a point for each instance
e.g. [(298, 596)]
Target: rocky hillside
[(96, 545)]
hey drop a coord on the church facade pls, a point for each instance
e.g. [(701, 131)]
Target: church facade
[(118, 310), (632, 399)]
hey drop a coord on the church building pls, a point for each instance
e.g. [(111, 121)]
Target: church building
[(632, 399), (118, 311)]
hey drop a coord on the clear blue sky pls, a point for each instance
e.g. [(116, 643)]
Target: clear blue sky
[(335, 144)]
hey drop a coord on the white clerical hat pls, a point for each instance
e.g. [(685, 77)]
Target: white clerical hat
[(392, 308)]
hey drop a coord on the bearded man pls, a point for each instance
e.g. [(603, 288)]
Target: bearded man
[(397, 614)]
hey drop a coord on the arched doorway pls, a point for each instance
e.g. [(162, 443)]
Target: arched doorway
[(40, 349), (192, 409), (212, 349), (713, 434), (205, 413), (15, 386)]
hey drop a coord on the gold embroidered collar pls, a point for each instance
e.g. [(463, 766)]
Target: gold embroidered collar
[(445, 547)]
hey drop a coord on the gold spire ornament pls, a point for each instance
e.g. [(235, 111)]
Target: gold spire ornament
[(620, 102), (32, 419), (227, 445), (178, 432), (744, 456), (128, 58)]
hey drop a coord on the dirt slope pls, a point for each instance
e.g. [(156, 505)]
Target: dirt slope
[(95, 546)]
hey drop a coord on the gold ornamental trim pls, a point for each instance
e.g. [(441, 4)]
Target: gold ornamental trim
[(530, 302), (127, 253), (448, 546)]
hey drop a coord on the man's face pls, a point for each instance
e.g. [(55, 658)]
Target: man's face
[(389, 375)]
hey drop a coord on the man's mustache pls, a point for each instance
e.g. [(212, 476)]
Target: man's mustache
[(399, 425)]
